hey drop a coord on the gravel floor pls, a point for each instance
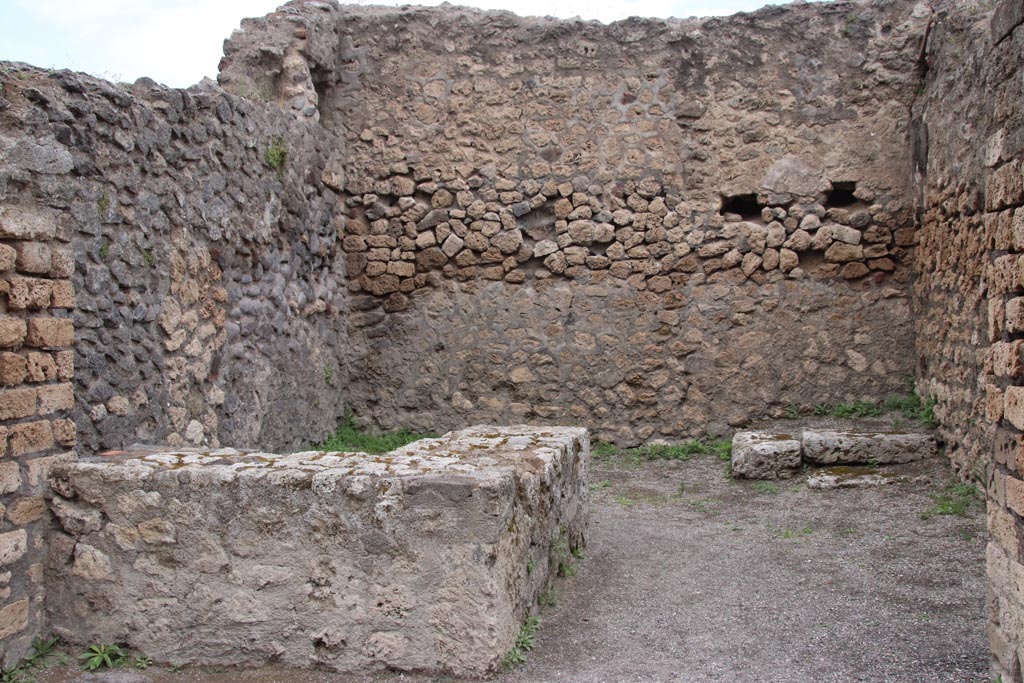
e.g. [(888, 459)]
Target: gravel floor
[(690, 576)]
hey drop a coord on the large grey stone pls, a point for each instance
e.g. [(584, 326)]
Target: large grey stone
[(423, 559), (828, 447), (764, 455)]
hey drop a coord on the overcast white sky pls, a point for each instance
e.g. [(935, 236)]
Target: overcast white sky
[(177, 42)]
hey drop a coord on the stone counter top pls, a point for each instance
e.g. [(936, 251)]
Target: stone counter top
[(473, 450), (426, 558)]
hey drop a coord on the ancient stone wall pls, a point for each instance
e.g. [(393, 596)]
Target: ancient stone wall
[(208, 273), (441, 216), (654, 227), (37, 367), (969, 143)]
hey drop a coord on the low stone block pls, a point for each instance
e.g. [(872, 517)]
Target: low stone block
[(764, 455), (29, 293), (424, 559), (17, 403), (33, 257), (31, 437), (63, 294), (12, 546), (12, 332), (13, 618), (828, 447), (7, 257), (10, 477), (27, 223), (13, 369), (50, 332), (54, 398)]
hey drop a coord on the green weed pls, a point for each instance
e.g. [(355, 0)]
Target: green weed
[(956, 499), (101, 656), (352, 438), (524, 643), (701, 504), (765, 487), (601, 485), (25, 670), (105, 251), (909, 406), (276, 154), (796, 533), (682, 452)]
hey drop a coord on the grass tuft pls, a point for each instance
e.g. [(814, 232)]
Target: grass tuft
[(351, 437), (956, 499), (681, 452), (524, 643)]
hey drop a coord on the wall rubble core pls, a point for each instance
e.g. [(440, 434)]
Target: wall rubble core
[(423, 559)]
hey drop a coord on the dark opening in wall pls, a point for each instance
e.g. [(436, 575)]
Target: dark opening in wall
[(745, 205), (842, 194)]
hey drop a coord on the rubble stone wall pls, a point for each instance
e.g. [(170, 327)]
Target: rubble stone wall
[(970, 317), (654, 227), (207, 267)]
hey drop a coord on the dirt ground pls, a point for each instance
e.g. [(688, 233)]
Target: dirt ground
[(690, 576)]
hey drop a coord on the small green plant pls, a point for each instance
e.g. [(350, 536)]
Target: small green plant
[(624, 501), (603, 450), (103, 204), (547, 598), (150, 258), (524, 643), (601, 485), (956, 499), (351, 437), (105, 251), (701, 504), (24, 671), (909, 405), (100, 656), (564, 554), (142, 661), (765, 487), (529, 566), (328, 372), (660, 451), (797, 533), (276, 154), (791, 411)]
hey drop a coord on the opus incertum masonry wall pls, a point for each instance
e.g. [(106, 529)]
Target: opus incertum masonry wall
[(440, 217)]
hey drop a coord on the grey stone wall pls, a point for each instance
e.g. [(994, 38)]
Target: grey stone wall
[(211, 296)]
